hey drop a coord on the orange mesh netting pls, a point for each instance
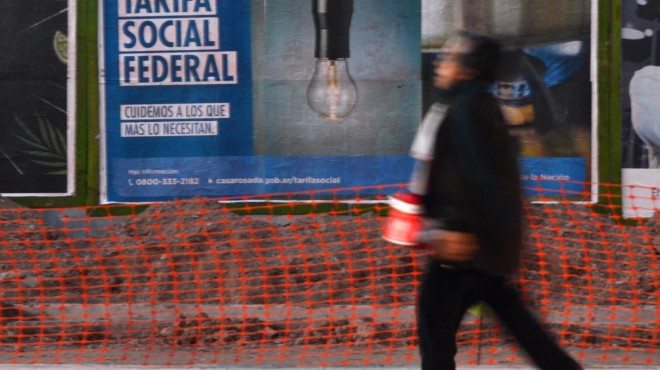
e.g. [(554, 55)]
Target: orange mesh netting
[(303, 279)]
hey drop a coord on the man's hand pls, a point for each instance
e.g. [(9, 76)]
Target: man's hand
[(451, 246)]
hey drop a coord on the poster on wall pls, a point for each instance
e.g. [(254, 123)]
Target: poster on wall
[(640, 109), (226, 97), (37, 88), (544, 85)]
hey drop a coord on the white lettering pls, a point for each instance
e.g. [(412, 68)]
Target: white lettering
[(150, 8), (220, 68), (162, 129), (169, 34)]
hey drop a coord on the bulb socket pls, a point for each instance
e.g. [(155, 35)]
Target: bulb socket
[(332, 20)]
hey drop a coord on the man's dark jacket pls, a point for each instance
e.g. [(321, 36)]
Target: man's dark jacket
[(474, 181)]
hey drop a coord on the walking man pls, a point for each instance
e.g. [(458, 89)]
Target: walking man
[(471, 192)]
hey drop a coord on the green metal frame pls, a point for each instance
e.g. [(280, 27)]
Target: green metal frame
[(609, 93)]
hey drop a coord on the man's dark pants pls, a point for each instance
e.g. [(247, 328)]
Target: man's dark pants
[(445, 295)]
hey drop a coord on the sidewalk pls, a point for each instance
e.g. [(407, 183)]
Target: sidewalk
[(112, 367), (132, 329)]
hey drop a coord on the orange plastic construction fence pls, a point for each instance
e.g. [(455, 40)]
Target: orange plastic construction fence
[(304, 279)]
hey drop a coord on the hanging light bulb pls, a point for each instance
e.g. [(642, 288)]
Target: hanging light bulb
[(331, 92)]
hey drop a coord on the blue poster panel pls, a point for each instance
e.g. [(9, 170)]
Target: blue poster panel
[(554, 177), (239, 97)]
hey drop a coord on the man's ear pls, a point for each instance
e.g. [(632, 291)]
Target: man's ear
[(466, 73)]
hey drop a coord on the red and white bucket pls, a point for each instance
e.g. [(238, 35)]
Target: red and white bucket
[(405, 219)]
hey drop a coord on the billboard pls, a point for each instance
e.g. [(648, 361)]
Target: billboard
[(639, 100), (544, 85), (209, 98), (222, 98), (37, 89)]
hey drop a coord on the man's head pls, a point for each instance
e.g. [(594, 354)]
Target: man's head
[(467, 55)]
